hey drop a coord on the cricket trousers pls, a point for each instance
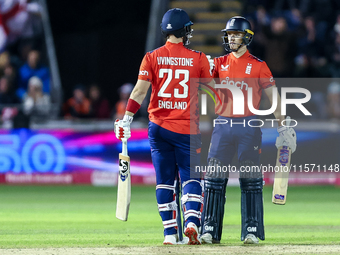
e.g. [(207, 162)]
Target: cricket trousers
[(174, 153)]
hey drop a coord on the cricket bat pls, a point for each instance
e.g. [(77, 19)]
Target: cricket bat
[(124, 184), (178, 202), (282, 168)]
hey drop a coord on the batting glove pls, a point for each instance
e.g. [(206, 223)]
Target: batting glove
[(287, 137), (211, 63), (122, 127)]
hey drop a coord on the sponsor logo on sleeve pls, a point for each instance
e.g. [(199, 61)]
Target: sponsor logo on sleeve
[(143, 72)]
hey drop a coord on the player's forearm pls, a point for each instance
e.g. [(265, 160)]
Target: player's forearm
[(277, 113), (137, 96)]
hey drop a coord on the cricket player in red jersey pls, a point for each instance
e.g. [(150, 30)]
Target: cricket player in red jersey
[(173, 128), (235, 134)]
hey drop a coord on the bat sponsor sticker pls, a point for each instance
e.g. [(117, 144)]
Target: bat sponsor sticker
[(284, 155), (123, 169), (280, 197)]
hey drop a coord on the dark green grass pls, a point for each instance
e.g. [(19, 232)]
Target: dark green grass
[(84, 216)]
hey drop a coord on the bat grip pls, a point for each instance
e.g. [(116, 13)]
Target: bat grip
[(288, 121), (124, 147)]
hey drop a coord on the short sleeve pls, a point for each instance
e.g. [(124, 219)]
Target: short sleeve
[(145, 71), (266, 77), (205, 66)]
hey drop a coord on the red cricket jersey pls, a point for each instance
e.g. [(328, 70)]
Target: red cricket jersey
[(174, 98), (244, 72)]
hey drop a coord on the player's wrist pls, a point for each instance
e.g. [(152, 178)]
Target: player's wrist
[(132, 106)]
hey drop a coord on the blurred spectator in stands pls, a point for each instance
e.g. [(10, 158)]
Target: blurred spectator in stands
[(333, 53), (7, 96), (288, 9), (283, 5), (324, 13), (262, 17), (258, 20), (8, 101), (10, 72), (279, 48), (4, 61), (19, 19), (124, 93), (307, 42), (250, 6), (30, 69), (311, 66), (100, 105), (78, 106), (333, 100), (337, 24), (35, 101)]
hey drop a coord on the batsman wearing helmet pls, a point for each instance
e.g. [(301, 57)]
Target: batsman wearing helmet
[(173, 128), (242, 70)]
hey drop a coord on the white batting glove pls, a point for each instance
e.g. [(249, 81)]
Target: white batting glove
[(122, 127), (211, 63), (287, 137)]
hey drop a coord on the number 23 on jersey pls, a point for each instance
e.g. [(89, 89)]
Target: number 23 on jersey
[(181, 77)]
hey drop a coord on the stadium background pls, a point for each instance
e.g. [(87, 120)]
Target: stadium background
[(103, 42)]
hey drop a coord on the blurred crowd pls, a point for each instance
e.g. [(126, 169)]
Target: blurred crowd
[(25, 89), (25, 79), (300, 38), (89, 102)]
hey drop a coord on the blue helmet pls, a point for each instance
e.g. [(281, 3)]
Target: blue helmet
[(237, 24), (177, 22)]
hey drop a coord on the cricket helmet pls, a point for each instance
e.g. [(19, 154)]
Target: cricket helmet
[(177, 22), (237, 24)]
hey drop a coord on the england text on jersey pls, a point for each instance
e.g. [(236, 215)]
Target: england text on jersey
[(172, 105)]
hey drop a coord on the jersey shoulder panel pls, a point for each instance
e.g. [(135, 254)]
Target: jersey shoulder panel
[(156, 51), (255, 58), (223, 56), (222, 59), (194, 51)]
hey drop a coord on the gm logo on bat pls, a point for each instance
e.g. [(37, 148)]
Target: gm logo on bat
[(280, 197), (284, 154), (123, 169)]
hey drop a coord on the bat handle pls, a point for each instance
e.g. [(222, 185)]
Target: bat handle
[(288, 121), (124, 147)]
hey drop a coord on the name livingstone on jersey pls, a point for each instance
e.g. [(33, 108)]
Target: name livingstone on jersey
[(175, 61)]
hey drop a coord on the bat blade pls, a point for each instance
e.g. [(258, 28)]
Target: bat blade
[(280, 186), (178, 214), (124, 188)]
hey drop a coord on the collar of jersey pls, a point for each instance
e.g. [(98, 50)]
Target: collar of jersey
[(245, 55), (173, 44)]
